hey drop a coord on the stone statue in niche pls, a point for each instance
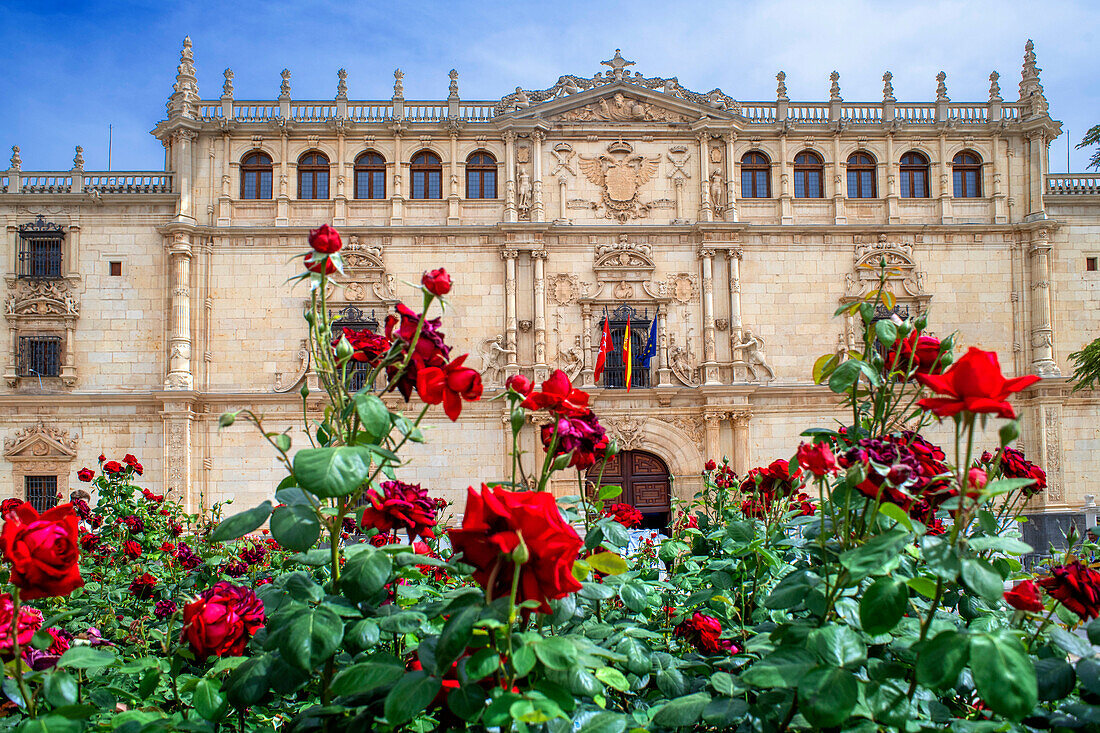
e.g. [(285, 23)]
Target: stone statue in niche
[(571, 360), (754, 356), (523, 192), (717, 192), (494, 359), (682, 362), (841, 347)]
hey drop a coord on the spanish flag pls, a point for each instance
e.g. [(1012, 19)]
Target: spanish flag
[(628, 357)]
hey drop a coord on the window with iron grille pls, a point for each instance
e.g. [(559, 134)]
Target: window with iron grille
[(41, 492), (614, 370), (39, 356), (40, 246), (355, 319)]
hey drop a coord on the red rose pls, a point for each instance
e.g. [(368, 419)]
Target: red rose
[(624, 514), (817, 458), (85, 474), (449, 385), (1025, 596), (436, 282), (558, 395), (143, 586), (401, 506), (1077, 586), (430, 351), (924, 351), (42, 550), (710, 465), (1015, 465), (704, 632), (320, 264), (9, 505), (325, 239), (221, 620), (492, 526), (132, 549), (519, 384), (775, 479), (579, 433), (167, 547), (112, 467), (975, 384), (369, 347), (129, 459), (138, 469), (30, 621)]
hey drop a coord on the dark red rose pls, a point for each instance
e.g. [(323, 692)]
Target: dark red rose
[(112, 467), (401, 506), (234, 568), (1025, 596), (558, 395), (321, 264), (901, 469), (450, 385), (579, 432), (134, 523), (1015, 465), (42, 659), (430, 349), (1077, 587), (102, 458), (817, 458), (42, 550), (187, 557), (493, 524), (221, 620), (168, 547), (131, 549), (255, 552), (685, 522), (129, 459), (974, 384), (143, 586), (519, 384), (710, 465), (436, 282), (776, 479), (175, 528), (924, 351), (138, 468), (704, 633), (30, 621), (624, 514), (369, 347), (85, 474), (164, 609), (9, 505), (89, 541), (325, 239)]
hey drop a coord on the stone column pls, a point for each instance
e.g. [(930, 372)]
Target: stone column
[(733, 181), (740, 423), (679, 183), (1036, 168), (510, 324), (892, 216), (710, 366), (537, 211), (225, 201), (538, 256), (179, 334), (586, 346), (510, 176), (282, 204), (733, 260), (786, 215), (184, 173), (339, 203), (946, 189), (1042, 331), (1000, 212), (706, 212), (712, 446), (838, 184), (563, 182), (453, 200), (397, 199), (178, 424), (664, 374)]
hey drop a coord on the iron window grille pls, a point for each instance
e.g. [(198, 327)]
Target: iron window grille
[(40, 245), (41, 492), (39, 356), (353, 318), (614, 370)]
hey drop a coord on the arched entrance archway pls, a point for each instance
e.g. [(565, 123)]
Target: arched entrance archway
[(645, 481)]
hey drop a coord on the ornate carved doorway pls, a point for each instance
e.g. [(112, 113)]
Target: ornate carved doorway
[(646, 485)]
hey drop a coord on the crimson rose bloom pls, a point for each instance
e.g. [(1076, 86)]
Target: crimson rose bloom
[(624, 514), (143, 586), (975, 384), (558, 395), (817, 458), (430, 349), (519, 384), (129, 459), (112, 467), (704, 632), (401, 506), (1015, 465), (710, 465), (923, 350), (30, 621), (132, 549), (137, 468), (776, 479), (1025, 596), (580, 433), (320, 264), (436, 282), (449, 385), (325, 239), (1077, 586), (85, 474), (222, 620), (134, 523), (903, 468), (369, 347), (41, 659), (164, 609), (42, 550), (9, 505), (492, 525)]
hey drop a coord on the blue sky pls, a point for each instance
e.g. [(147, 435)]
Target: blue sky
[(72, 68)]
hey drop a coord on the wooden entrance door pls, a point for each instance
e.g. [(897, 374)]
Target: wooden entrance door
[(645, 481)]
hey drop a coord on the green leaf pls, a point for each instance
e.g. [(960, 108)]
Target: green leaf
[(925, 586), (826, 696), (940, 556), (1093, 631), (366, 573), (467, 702), (942, 659), (248, 683), (556, 652), (608, 563), (208, 699), (844, 376), (872, 556), (1055, 678), (613, 678), (792, 589), (374, 418), (725, 712), (312, 637), (1007, 545), (455, 637), (295, 526), (1070, 642), (982, 579), (883, 604), (302, 587), (605, 723), (723, 683), (241, 524), (1003, 674), (366, 676), (634, 596), (609, 491), (486, 661), (887, 333), (60, 688), (782, 668), (895, 512), (409, 696), (1088, 671), (837, 646), (683, 711), (85, 657), (334, 471)]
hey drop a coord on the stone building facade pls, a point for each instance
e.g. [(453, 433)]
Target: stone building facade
[(142, 305)]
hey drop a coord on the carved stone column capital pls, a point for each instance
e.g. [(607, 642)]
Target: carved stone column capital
[(509, 254)]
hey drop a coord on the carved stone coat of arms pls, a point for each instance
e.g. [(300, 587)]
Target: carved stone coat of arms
[(620, 175)]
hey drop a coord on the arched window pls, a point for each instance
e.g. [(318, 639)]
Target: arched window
[(256, 176), (427, 176), (481, 176), (313, 176), (370, 176), (861, 176), (809, 176), (966, 168), (914, 176), (756, 180)]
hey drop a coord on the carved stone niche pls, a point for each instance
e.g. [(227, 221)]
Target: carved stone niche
[(40, 450), (624, 261), (365, 278), (42, 308), (903, 277)]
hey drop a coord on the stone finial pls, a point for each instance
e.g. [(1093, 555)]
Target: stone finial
[(342, 84), (781, 87), (398, 84), (284, 86), (888, 87), (941, 87), (995, 87), (227, 86), (834, 88), (1029, 77), (185, 93), (78, 159), (16, 161), (453, 89), (618, 65)]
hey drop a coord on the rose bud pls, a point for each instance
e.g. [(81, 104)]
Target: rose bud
[(436, 282), (519, 384), (318, 265), (325, 239)]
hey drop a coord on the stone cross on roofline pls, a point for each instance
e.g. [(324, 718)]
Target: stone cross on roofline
[(617, 64)]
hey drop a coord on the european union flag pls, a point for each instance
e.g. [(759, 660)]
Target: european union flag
[(650, 349)]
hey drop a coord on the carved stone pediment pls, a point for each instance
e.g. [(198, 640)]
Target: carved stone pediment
[(365, 278), (901, 270), (41, 298), (621, 107), (40, 442), (624, 260)]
